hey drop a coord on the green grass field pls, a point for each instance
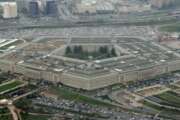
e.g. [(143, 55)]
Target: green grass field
[(173, 87), (34, 117), (164, 112), (5, 114), (10, 85), (70, 95), (174, 27), (169, 98), (5, 117), (11, 44)]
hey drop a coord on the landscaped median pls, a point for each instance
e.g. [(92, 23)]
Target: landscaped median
[(11, 85)]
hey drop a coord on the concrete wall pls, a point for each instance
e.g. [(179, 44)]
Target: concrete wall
[(75, 81), (151, 72), (32, 73), (103, 81), (129, 76)]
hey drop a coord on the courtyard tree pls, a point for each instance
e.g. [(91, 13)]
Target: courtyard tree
[(113, 52), (103, 49), (75, 49), (68, 50)]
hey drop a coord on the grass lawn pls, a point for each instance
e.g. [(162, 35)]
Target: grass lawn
[(170, 98), (4, 110), (10, 85), (118, 87), (148, 104), (173, 87), (5, 117), (34, 117), (11, 44), (165, 111), (70, 111), (174, 27), (5, 114), (70, 95)]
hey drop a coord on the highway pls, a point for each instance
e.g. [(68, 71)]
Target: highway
[(71, 24)]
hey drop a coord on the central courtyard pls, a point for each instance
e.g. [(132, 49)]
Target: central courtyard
[(90, 52)]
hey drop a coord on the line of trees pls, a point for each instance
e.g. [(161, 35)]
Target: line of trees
[(77, 51)]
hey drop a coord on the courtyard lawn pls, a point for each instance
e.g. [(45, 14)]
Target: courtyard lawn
[(11, 85)]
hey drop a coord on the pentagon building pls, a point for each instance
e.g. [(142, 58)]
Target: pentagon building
[(44, 58)]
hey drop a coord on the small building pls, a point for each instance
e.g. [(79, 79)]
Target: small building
[(34, 10), (85, 9), (94, 7), (105, 8), (9, 10), (51, 7)]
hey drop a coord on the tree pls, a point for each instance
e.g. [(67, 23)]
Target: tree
[(113, 52), (68, 50), (24, 104), (75, 50), (80, 50), (103, 49)]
